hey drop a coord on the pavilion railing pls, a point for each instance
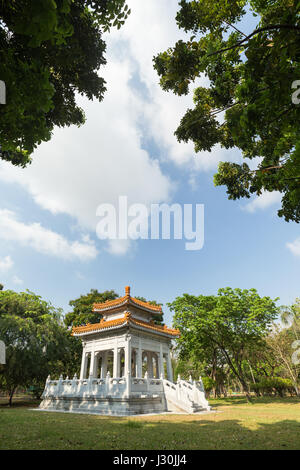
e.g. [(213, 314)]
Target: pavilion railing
[(189, 395), (102, 387)]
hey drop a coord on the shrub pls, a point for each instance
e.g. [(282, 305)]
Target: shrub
[(208, 384), (269, 385)]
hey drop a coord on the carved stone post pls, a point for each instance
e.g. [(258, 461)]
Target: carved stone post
[(147, 381), (107, 383)]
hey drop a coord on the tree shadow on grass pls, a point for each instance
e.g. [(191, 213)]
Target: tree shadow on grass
[(214, 435), (20, 403), (33, 430)]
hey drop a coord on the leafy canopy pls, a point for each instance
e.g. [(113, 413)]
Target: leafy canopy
[(37, 342), (248, 103), (233, 321), (49, 51), (82, 307)]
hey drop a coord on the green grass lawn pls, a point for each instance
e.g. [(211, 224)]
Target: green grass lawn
[(268, 423)]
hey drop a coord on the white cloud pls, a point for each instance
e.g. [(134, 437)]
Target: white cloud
[(81, 168), (118, 247), (17, 280), (6, 263), (294, 247), (264, 201), (150, 29), (43, 240)]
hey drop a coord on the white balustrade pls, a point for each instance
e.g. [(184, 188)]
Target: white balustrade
[(189, 396)]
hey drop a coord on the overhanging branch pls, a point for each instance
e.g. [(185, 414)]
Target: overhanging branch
[(259, 30)]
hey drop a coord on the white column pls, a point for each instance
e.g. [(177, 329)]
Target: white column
[(154, 360), (95, 373), (128, 365), (161, 363), (135, 363), (150, 364), (100, 357), (139, 361), (122, 369), (169, 368), (128, 357), (104, 365), (115, 366), (83, 365), (157, 366), (92, 364), (119, 362)]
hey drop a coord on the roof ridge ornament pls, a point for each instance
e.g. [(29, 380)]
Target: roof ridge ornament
[(127, 291), (128, 317)]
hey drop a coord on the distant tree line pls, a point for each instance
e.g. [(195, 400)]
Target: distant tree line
[(236, 340)]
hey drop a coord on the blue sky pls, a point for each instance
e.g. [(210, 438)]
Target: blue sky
[(48, 217)]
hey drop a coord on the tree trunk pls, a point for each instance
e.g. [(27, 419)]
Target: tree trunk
[(244, 384), (213, 375), (11, 394), (239, 374)]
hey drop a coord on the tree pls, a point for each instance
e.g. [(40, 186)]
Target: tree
[(37, 343), (50, 50), (280, 342), (232, 322), (251, 101), (83, 307), (291, 315)]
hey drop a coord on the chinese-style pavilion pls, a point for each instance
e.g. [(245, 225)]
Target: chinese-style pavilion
[(126, 366)]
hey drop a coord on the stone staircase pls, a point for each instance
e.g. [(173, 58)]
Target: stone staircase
[(183, 396)]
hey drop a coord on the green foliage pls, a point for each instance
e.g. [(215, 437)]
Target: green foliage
[(49, 51), (187, 367), (208, 384), (36, 390), (82, 307), (277, 385), (248, 103), (27, 305), (37, 343), (230, 323)]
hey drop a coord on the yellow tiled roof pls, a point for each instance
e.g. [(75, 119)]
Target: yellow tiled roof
[(127, 319), (126, 299)]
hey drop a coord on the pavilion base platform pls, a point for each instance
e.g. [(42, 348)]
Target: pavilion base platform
[(106, 406), (123, 397)]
